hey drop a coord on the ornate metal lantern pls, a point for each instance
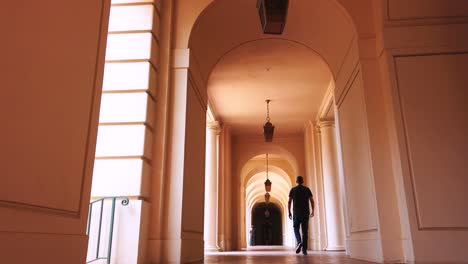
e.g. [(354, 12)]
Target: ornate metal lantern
[(267, 197), (268, 185), (268, 128), (272, 15)]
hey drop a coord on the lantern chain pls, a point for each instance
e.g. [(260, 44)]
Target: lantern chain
[(268, 110)]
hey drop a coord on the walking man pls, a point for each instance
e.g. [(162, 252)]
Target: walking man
[(300, 196)]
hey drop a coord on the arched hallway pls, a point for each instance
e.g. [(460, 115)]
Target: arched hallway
[(153, 110)]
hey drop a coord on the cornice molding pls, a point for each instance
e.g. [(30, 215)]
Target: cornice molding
[(327, 102), (325, 123), (215, 126)]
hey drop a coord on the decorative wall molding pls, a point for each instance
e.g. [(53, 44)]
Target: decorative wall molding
[(31, 206), (393, 19), (406, 149), (193, 85), (325, 123), (327, 102), (198, 232), (39, 208), (363, 230), (345, 57), (349, 83)]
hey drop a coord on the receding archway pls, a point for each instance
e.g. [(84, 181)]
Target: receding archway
[(267, 225), (253, 176), (320, 33)]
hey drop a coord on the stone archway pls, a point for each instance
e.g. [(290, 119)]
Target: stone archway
[(201, 48), (267, 223)]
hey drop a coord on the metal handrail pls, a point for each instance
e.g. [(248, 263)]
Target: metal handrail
[(125, 202)]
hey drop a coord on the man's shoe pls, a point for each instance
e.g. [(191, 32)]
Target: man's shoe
[(304, 253), (298, 248)]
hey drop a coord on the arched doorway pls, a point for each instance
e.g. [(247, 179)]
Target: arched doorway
[(267, 226), (253, 176), (224, 57), (259, 67)]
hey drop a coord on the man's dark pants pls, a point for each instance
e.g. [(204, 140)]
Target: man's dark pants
[(303, 222)]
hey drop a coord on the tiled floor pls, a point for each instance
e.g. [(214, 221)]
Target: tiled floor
[(279, 255)]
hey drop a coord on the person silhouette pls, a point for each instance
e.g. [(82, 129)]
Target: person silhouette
[(300, 196)]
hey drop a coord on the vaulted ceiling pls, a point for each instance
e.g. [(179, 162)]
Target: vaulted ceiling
[(243, 67)]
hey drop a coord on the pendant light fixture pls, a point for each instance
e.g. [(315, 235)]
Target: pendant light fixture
[(268, 128), (272, 15)]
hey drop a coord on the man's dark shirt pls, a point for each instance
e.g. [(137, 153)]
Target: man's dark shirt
[(300, 196)]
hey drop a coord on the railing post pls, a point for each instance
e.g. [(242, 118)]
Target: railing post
[(125, 202), (99, 231), (89, 219), (111, 232)]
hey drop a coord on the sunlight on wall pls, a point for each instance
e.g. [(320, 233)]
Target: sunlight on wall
[(135, 46), (124, 140), (123, 151), (123, 107), (131, 1), (117, 176), (126, 76), (124, 18), (125, 132)]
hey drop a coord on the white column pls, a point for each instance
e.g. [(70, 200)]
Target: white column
[(211, 186), (333, 206)]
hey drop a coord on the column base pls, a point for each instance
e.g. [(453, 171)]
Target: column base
[(212, 249), (175, 251), (335, 248), (315, 245)]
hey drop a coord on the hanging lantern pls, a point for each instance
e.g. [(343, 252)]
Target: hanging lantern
[(268, 128), (267, 197), (272, 15), (267, 182), (268, 185)]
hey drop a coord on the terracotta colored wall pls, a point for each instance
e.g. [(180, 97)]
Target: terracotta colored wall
[(194, 175), (52, 67), (431, 127), (425, 52)]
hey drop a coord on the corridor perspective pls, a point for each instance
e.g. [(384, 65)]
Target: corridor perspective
[(172, 131)]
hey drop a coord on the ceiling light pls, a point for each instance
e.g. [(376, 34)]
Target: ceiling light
[(268, 128), (273, 15)]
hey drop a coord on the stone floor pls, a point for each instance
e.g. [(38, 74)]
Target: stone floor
[(279, 255)]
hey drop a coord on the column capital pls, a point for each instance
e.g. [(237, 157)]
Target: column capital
[(325, 123), (215, 126)]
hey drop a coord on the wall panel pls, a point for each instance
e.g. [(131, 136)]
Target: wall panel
[(51, 75), (433, 94), (426, 9), (357, 164), (194, 164), (47, 101)]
